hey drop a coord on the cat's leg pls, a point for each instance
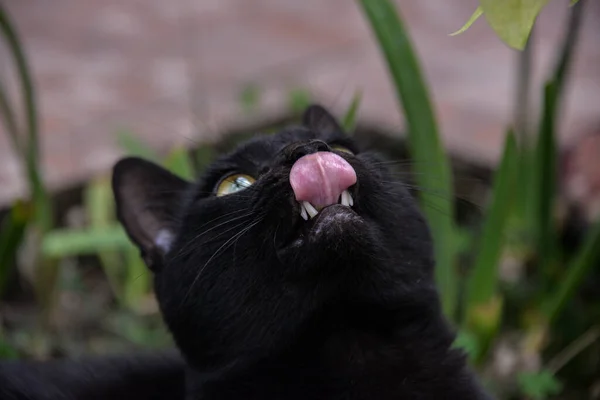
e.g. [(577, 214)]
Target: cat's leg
[(136, 377)]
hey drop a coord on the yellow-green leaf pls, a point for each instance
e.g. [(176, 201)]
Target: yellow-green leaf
[(470, 22), (512, 20)]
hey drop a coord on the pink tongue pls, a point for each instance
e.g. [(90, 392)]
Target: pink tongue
[(320, 178)]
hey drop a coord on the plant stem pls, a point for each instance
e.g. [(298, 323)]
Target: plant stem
[(573, 349), (522, 94), (563, 61)]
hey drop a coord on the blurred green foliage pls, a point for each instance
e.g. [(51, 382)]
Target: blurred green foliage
[(521, 205), (481, 313), (512, 20)]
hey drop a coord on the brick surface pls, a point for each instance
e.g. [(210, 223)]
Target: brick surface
[(172, 72)]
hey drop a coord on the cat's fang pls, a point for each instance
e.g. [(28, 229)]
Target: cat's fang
[(303, 212), (346, 199), (310, 209)]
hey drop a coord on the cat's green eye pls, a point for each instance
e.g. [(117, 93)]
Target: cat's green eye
[(343, 149), (234, 183)]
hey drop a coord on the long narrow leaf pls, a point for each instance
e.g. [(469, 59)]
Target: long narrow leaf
[(586, 258), (43, 210), (483, 280), (179, 162), (205, 154), (545, 174), (137, 280), (60, 243), (544, 171), (483, 302), (432, 164), (133, 146), (99, 205), (349, 120), (11, 235), (10, 121)]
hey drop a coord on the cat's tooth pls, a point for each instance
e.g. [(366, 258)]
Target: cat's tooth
[(310, 209), (350, 199), (345, 201), (303, 212)]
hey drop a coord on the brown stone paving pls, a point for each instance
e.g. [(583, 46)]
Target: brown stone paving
[(172, 71)]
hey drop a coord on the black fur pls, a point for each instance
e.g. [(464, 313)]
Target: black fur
[(263, 305), (143, 377)]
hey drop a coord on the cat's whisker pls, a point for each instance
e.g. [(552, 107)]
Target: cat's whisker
[(223, 247), (196, 237), (439, 194), (188, 247)]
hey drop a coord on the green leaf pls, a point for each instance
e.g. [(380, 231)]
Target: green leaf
[(133, 146), (138, 280), (468, 342), (483, 280), (470, 22), (432, 164), (7, 351), (10, 122), (30, 149), (205, 154), (587, 257), (250, 97), (545, 178), (512, 20), (299, 100), (60, 243), (99, 206), (179, 162), (11, 235), (483, 303), (539, 385), (349, 120)]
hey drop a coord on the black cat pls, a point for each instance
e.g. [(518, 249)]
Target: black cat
[(298, 267)]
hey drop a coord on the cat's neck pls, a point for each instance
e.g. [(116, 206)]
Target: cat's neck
[(353, 365)]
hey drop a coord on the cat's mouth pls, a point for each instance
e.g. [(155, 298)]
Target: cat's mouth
[(308, 211), (323, 186)]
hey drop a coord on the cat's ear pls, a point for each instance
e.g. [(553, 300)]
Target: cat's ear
[(148, 197), (318, 119)]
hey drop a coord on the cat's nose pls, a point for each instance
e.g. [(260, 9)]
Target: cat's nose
[(301, 149), (321, 177)]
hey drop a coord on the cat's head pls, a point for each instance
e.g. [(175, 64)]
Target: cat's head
[(243, 269)]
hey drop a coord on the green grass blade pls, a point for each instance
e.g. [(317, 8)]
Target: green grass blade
[(432, 164), (99, 205), (10, 122), (544, 171), (545, 174), (43, 208), (483, 303), (349, 120), (11, 235), (298, 100), (586, 258), (60, 243), (133, 146), (137, 280), (179, 162), (483, 278), (204, 155)]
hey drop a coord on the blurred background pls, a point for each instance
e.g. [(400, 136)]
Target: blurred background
[(83, 83)]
